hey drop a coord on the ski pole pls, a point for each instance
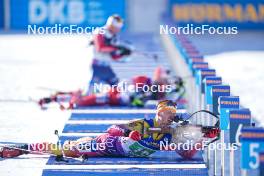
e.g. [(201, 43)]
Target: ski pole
[(147, 55), (61, 158), (48, 89), (10, 100), (37, 152)]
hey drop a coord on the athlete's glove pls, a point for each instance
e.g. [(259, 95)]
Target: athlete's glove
[(124, 51), (135, 135), (137, 102), (212, 133)]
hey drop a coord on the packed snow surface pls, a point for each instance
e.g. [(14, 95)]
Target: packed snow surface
[(244, 72)]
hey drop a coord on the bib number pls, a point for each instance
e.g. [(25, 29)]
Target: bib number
[(140, 151)]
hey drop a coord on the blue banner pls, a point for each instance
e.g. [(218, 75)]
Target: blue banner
[(252, 134), (252, 140), (261, 161), (238, 118), (194, 55), (201, 74), (217, 91), (227, 103), (242, 14), (46, 13), (1, 14), (198, 66), (192, 60), (208, 83), (190, 49)]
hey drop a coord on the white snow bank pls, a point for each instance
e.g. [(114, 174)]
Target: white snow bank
[(26, 63), (244, 71)]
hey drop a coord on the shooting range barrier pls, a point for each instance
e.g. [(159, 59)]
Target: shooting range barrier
[(205, 90)]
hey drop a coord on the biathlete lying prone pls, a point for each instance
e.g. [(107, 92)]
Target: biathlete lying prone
[(163, 87), (138, 138)]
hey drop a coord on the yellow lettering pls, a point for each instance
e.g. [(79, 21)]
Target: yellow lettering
[(250, 13), (233, 13), (198, 13), (214, 12), (261, 12), (218, 12), (181, 13)]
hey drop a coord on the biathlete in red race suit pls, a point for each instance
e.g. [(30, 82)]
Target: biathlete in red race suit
[(104, 49), (115, 97)]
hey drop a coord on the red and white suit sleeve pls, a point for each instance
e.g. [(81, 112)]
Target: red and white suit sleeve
[(100, 46)]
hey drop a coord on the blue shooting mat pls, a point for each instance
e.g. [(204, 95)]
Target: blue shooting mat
[(179, 106), (85, 128), (160, 163), (127, 172), (102, 125), (71, 138), (159, 157), (104, 116)]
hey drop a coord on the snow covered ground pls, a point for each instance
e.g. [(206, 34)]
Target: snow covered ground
[(28, 64), (244, 71)]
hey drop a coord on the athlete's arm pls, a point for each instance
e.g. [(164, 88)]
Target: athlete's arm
[(115, 51), (100, 45), (125, 129), (118, 130)]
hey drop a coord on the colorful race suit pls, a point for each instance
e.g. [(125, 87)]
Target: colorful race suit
[(131, 140), (148, 144), (127, 140), (120, 140)]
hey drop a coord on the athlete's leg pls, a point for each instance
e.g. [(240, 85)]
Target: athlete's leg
[(11, 151), (91, 100), (58, 97), (102, 73)]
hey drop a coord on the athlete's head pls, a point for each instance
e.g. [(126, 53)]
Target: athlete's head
[(166, 111), (114, 23)]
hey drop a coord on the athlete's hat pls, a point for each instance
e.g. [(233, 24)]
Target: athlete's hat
[(115, 20), (166, 105)]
